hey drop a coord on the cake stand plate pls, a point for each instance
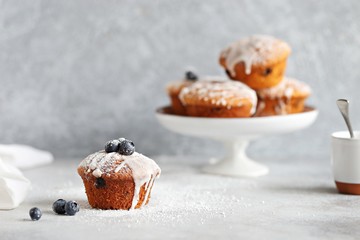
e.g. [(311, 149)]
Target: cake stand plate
[(235, 133)]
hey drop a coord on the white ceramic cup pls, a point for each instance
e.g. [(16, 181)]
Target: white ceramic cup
[(345, 160)]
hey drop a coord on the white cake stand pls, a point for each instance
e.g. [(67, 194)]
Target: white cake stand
[(236, 133)]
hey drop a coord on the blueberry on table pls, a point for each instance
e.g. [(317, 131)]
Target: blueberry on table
[(189, 75), (112, 146), (127, 147), (71, 208), (35, 213), (59, 206)]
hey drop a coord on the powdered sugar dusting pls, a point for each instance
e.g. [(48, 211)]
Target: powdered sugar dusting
[(184, 194), (144, 170), (221, 93), (286, 88), (254, 49)]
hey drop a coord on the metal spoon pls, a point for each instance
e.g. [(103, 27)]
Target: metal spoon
[(343, 106)]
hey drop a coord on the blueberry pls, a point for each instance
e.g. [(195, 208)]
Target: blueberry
[(189, 75), (59, 206), (112, 146), (267, 71), (100, 183), (35, 213), (71, 208), (127, 147)]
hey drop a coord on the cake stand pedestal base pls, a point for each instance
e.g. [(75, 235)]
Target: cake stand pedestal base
[(236, 163)]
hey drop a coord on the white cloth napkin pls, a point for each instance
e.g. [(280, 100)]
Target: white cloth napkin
[(13, 186), (23, 156)]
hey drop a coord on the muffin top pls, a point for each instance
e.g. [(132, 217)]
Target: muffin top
[(113, 164), (256, 49), (288, 88), (220, 93)]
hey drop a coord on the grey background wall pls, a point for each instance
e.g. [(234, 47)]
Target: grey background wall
[(76, 73)]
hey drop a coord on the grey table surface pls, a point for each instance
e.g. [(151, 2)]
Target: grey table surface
[(296, 200)]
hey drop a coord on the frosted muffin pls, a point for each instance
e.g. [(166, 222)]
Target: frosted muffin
[(118, 177), (223, 99), (173, 89), (287, 97), (258, 61)]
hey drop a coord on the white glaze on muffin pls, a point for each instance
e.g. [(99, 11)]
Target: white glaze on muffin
[(256, 49)]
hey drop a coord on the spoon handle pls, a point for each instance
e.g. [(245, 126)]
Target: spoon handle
[(343, 106)]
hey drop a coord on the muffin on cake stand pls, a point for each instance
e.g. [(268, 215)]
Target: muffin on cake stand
[(235, 134)]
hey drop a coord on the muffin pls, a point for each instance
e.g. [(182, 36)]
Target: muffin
[(287, 97), (174, 88), (118, 177), (258, 61), (222, 99)]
